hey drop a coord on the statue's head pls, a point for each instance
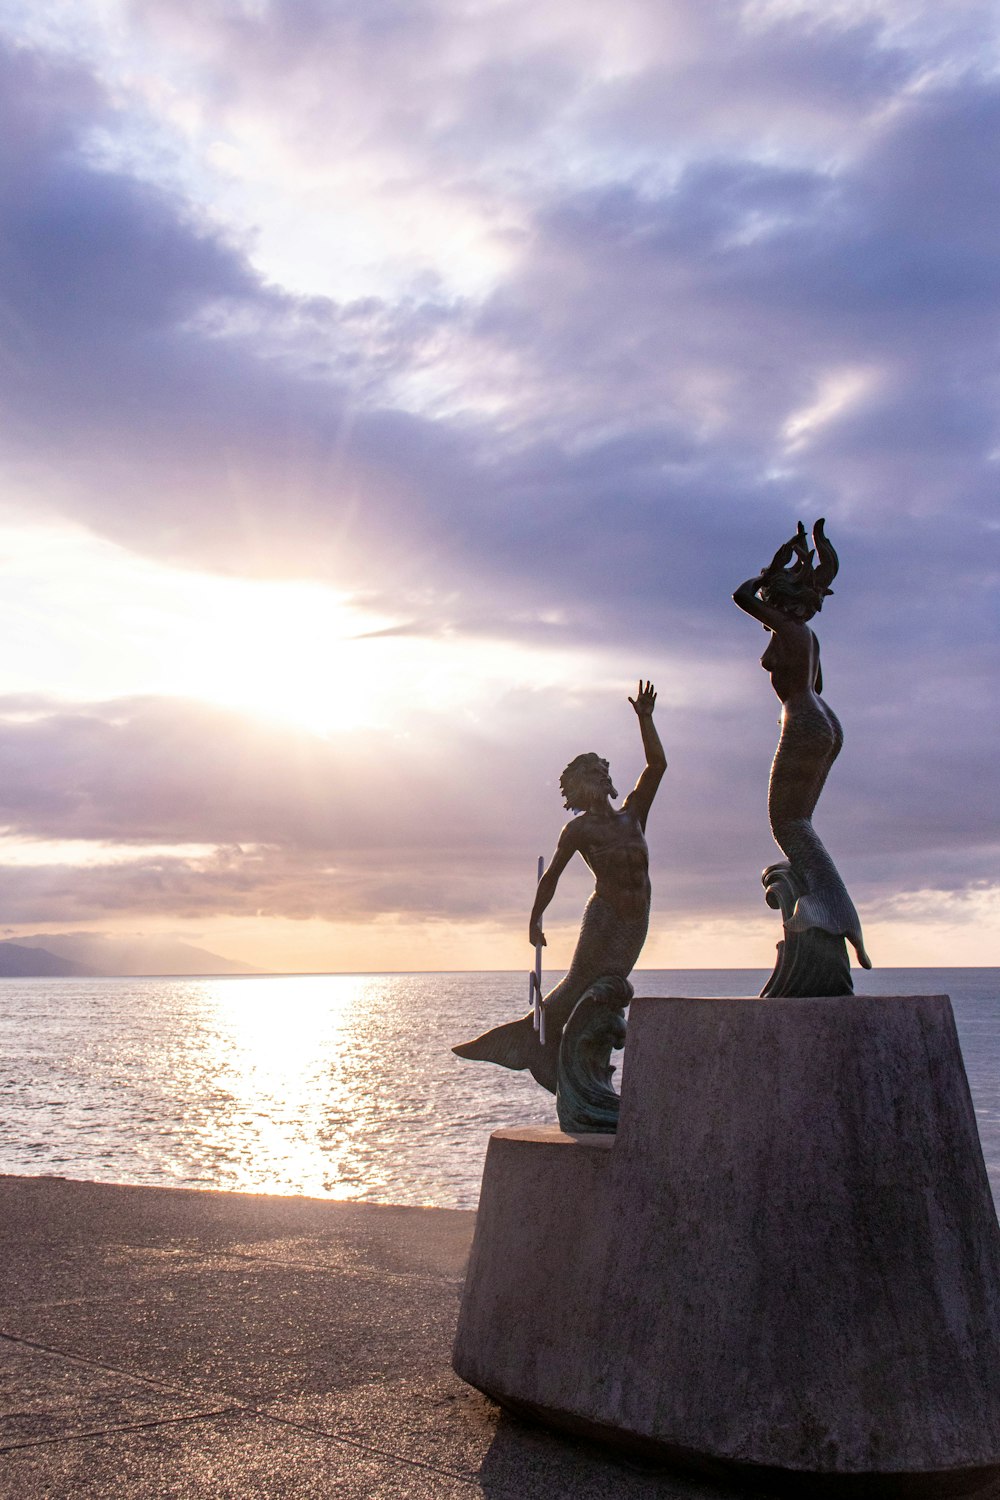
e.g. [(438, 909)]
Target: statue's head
[(585, 780), (792, 596), (798, 591)]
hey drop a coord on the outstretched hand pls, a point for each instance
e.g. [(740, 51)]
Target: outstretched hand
[(645, 700), (796, 546), (536, 937)]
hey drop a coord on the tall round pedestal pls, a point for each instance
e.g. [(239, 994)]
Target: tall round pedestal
[(785, 1265)]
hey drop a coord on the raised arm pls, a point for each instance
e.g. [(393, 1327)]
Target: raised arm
[(566, 847), (640, 798), (747, 596)]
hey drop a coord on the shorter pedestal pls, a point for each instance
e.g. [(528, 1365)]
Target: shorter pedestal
[(785, 1266)]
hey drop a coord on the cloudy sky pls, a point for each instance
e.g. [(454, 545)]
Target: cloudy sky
[(387, 384)]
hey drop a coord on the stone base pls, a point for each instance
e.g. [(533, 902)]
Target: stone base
[(785, 1265)]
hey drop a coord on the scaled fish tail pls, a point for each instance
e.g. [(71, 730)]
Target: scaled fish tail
[(514, 1045)]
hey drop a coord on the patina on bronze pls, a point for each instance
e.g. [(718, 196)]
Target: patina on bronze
[(816, 911), (585, 1098), (612, 842)]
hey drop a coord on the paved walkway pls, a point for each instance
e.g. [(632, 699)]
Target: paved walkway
[(161, 1343), (158, 1343)]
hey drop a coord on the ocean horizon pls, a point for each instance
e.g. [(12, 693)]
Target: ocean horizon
[(337, 1085)]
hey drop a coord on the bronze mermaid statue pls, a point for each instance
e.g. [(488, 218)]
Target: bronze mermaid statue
[(615, 920), (816, 910)]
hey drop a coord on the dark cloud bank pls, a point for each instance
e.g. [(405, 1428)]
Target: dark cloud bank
[(657, 333)]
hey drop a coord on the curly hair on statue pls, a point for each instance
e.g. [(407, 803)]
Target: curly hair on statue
[(573, 783), (799, 590)]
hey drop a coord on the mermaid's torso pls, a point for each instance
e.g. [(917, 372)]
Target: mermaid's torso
[(615, 849), (792, 661)]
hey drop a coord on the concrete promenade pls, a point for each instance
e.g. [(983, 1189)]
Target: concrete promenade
[(159, 1343)]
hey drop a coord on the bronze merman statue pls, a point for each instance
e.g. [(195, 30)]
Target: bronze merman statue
[(612, 842), (816, 910)]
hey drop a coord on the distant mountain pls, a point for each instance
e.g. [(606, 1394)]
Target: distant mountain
[(99, 953), (18, 961)]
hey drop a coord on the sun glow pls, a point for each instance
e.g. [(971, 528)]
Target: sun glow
[(79, 610), (288, 651), (293, 652), (83, 620)]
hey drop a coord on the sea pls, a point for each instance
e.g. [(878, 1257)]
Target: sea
[(338, 1086)]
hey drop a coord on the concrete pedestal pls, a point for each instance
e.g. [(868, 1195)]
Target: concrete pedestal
[(785, 1264)]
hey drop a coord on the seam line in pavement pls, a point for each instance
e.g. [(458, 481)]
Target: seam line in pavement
[(97, 1364), (190, 1392), (97, 1432), (367, 1448), (247, 1408)]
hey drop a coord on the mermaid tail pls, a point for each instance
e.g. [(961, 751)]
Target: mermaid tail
[(607, 946), (831, 910), (822, 900), (515, 1045), (811, 739)]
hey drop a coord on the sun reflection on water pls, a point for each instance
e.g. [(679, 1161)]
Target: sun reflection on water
[(339, 1086), (283, 1051)]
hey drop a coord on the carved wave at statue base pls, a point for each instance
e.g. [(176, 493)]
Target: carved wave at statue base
[(585, 1099), (811, 960)]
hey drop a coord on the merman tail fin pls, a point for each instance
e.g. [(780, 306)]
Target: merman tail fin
[(515, 1045)]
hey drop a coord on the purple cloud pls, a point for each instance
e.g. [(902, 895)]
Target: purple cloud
[(446, 819), (755, 277)]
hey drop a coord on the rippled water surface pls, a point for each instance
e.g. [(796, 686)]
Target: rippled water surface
[(337, 1085)]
